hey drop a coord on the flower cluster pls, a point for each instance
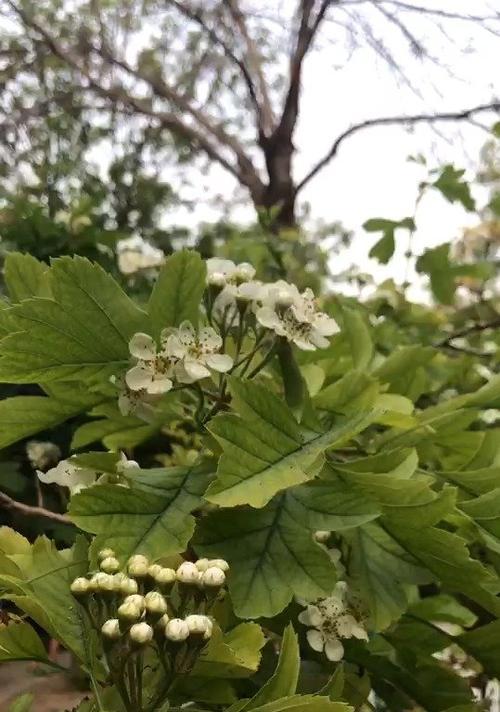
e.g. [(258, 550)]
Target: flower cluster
[(329, 621), (184, 355), (69, 474), (149, 600)]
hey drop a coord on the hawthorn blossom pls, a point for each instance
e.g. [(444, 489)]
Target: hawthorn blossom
[(194, 353), (67, 474), (154, 368), (222, 272), (293, 315), (330, 620)]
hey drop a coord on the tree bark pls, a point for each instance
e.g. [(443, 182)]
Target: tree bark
[(279, 193)]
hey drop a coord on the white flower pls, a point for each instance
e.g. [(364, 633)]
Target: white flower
[(222, 272), (153, 371), (330, 620), (42, 454), (225, 304), (490, 416), (295, 316), (196, 353), (135, 254), (125, 464), (67, 474)]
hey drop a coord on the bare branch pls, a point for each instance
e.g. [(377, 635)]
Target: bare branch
[(464, 115), (8, 503), (437, 12), (255, 62)]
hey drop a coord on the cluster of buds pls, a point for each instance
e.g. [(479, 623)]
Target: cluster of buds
[(148, 601)]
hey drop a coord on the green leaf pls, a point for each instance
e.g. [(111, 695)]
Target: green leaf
[(18, 641), (485, 511), (355, 391), (453, 189), (273, 557), (484, 645), (293, 381), (23, 703), (283, 682), (153, 517), (21, 416), (436, 263), (358, 335), (178, 291), (304, 703), (265, 450), (383, 250), (83, 332), (235, 654), (401, 366), (25, 277)]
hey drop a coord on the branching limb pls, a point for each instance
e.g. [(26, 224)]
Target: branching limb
[(28, 510), (464, 115)]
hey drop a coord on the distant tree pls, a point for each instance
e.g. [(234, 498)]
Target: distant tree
[(219, 79)]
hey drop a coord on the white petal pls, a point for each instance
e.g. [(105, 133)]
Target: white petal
[(334, 649), (315, 639), (139, 377), (268, 318), (219, 362), (195, 369), (159, 384), (303, 344), (209, 339), (173, 347), (142, 346), (250, 291), (217, 266), (359, 632), (345, 625), (311, 616), (186, 334), (80, 479), (325, 325), (245, 271), (320, 341), (57, 475)]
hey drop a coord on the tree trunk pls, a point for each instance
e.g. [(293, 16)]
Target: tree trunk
[(279, 193)]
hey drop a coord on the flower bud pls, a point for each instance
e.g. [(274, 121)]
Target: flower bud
[(213, 577), (80, 587), (202, 564), (111, 629), (162, 622), (154, 569), (244, 272), (128, 586), (119, 579), (321, 536), (165, 578), (176, 630), (105, 554), (199, 625), (129, 612), (188, 573), (110, 565), (155, 603), (102, 583), (220, 564), (141, 633), (136, 600), (138, 566)]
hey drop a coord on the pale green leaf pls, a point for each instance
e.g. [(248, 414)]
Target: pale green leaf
[(358, 335), (235, 654), (25, 277), (23, 703), (18, 641)]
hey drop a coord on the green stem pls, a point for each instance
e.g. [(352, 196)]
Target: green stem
[(138, 676), (132, 684), (267, 358)]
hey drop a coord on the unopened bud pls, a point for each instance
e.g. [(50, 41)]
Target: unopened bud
[(154, 569), (111, 629), (220, 564), (128, 586), (138, 566), (199, 625), (188, 573), (162, 622), (141, 633), (155, 603), (129, 612), (176, 630), (321, 536), (136, 600), (213, 577), (244, 272), (80, 587), (202, 564), (105, 554), (110, 565), (165, 578), (102, 583)]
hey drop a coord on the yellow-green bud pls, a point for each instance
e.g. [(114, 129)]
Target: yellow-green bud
[(188, 573), (165, 578), (141, 633), (154, 569), (105, 554), (213, 577), (111, 629), (155, 603), (202, 564), (80, 586), (102, 583), (162, 622), (138, 566), (129, 612), (321, 536), (136, 600), (220, 564), (110, 565), (128, 586), (176, 630)]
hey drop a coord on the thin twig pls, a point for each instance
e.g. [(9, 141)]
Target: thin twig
[(28, 510)]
